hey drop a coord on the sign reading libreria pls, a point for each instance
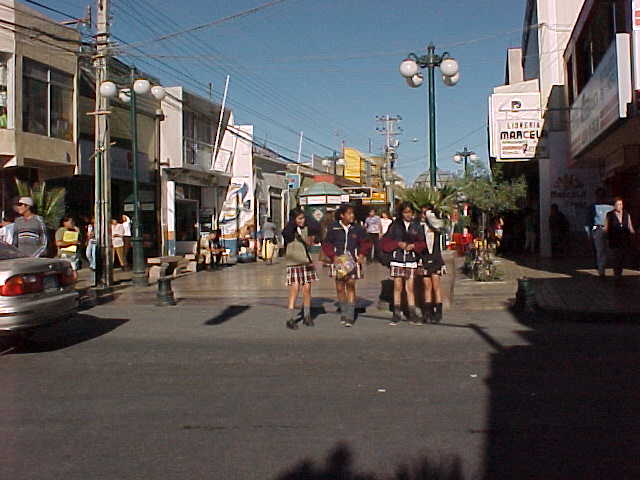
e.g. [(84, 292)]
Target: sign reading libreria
[(604, 98), (516, 127)]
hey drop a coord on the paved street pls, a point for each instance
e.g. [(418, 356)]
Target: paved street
[(218, 388)]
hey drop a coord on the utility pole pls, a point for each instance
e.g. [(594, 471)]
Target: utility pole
[(102, 171), (390, 129)]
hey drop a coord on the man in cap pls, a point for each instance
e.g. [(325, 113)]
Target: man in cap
[(30, 232)]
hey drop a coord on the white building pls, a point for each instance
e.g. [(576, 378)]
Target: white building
[(528, 116), (194, 187)]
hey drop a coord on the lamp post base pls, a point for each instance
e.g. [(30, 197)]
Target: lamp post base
[(139, 279)]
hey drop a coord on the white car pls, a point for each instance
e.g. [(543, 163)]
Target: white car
[(34, 291)]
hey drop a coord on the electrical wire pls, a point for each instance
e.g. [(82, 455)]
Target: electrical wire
[(213, 23)]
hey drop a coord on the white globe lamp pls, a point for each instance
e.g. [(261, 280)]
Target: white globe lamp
[(158, 92), (408, 68), (451, 81), (108, 89), (141, 86), (474, 158), (457, 158), (449, 67), (125, 95), (415, 81)]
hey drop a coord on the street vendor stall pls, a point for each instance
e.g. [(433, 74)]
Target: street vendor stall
[(320, 198)]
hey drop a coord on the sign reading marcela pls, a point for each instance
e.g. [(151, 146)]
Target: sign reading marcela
[(516, 127)]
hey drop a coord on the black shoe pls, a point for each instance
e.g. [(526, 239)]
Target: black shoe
[(292, 324), (427, 313), (308, 322), (397, 318), (412, 316), (437, 316)]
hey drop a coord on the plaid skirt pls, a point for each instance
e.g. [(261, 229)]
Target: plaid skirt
[(301, 274), (403, 272), (357, 274)]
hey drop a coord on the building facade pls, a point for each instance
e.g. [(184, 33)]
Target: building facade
[(38, 97), (529, 118)]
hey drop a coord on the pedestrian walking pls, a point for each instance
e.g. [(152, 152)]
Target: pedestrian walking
[(619, 228), (299, 234), (268, 241), (559, 229), (404, 240), (30, 232), (373, 225), (596, 223), (346, 245), (432, 267), (125, 221), (91, 244), (385, 221), (68, 242), (7, 229), (117, 242)]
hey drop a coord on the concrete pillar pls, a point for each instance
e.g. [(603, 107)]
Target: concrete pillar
[(171, 217)]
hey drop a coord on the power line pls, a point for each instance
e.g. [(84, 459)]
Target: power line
[(213, 23)]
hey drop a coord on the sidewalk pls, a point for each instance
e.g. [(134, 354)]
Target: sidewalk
[(568, 286)]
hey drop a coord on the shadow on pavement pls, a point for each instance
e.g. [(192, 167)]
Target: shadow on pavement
[(339, 465), (227, 314), (566, 405), (72, 331)]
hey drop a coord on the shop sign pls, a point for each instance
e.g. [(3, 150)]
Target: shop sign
[(604, 98), (293, 180), (316, 200), (344, 198), (636, 44), (516, 127), (334, 199)]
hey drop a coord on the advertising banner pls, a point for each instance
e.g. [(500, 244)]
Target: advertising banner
[(353, 164), (604, 98), (237, 212), (516, 127)]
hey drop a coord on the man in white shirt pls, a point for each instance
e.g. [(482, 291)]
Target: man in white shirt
[(373, 226), (117, 242), (6, 230)]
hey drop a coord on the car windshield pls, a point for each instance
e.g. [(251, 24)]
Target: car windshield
[(9, 252)]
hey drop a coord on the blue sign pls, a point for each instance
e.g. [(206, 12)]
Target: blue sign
[(293, 180)]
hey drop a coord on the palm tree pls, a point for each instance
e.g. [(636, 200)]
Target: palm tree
[(443, 199), (48, 202)]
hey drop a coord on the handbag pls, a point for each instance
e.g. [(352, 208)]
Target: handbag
[(297, 252)]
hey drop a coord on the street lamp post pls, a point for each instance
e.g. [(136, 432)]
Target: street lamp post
[(410, 69), (334, 161), (465, 155), (137, 86)]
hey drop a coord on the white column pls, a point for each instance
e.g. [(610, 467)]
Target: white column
[(171, 217)]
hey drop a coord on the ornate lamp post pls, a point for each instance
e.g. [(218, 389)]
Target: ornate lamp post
[(465, 155), (410, 69), (137, 86)]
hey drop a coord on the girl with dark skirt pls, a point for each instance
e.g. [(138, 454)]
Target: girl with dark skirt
[(299, 235), (619, 228), (432, 267), (346, 245), (404, 241)]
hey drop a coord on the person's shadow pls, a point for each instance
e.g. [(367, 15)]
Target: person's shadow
[(339, 465)]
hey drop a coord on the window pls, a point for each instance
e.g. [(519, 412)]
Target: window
[(531, 50), (4, 97), (47, 101), (606, 19)]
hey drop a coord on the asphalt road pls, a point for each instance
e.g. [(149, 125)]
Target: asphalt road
[(205, 391)]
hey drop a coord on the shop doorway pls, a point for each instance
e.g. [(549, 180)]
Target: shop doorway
[(186, 220)]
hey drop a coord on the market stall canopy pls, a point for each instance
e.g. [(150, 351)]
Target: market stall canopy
[(323, 193)]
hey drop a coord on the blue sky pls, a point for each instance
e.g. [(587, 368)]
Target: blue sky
[(328, 67)]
